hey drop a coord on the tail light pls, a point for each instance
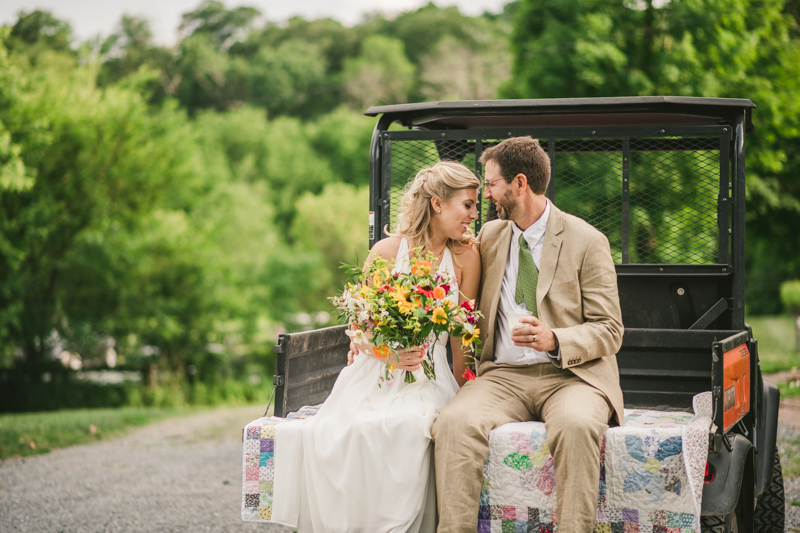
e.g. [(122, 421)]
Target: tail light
[(711, 473)]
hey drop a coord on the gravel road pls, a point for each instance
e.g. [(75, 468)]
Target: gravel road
[(180, 474), (789, 446)]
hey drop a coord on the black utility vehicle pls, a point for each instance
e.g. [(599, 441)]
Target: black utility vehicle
[(664, 179)]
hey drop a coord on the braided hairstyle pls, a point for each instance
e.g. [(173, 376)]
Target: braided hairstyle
[(441, 181)]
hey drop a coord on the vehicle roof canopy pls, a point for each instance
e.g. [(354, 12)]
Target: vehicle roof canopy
[(569, 112)]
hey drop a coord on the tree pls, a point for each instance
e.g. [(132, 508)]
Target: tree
[(380, 74), (37, 31), (454, 71), (223, 26), (89, 157), (343, 138), (129, 49), (333, 236), (287, 79)]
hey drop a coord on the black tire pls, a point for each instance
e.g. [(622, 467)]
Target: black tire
[(719, 524), (770, 513)]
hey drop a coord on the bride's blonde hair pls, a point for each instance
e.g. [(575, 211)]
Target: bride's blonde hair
[(441, 181)]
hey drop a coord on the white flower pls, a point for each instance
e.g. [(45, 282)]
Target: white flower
[(356, 335)]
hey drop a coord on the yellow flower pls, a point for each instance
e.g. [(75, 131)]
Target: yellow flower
[(439, 316), (391, 368), (401, 297), (365, 291), (469, 338)]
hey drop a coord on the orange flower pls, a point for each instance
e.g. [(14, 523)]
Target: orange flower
[(381, 351), (468, 374), (421, 267), (439, 316), (439, 293)]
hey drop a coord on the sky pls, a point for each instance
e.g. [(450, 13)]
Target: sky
[(90, 18)]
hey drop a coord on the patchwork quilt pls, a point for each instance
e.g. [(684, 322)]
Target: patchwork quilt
[(258, 464), (651, 476)]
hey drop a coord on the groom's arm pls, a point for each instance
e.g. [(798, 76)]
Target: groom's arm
[(601, 332)]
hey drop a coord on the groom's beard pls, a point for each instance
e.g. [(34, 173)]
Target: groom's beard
[(506, 207)]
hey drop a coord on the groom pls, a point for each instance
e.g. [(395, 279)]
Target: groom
[(558, 367)]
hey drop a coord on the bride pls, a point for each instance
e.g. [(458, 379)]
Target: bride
[(363, 463)]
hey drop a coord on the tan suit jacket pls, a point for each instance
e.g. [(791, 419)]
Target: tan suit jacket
[(576, 297)]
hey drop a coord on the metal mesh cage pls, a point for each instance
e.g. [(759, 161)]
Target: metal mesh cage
[(673, 198), (655, 198), (588, 184)]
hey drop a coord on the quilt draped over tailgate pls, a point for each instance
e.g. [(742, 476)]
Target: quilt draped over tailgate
[(651, 475)]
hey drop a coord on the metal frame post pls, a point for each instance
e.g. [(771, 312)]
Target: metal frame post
[(375, 181), (626, 199), (738, 222)]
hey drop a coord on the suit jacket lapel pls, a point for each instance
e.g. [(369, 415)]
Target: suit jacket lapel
[(496, 270), (550, 250)]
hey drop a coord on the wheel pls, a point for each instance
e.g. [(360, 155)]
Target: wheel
[(719, 524), (770, 513)]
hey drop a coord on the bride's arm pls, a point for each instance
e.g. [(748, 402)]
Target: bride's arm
[(468, 286)]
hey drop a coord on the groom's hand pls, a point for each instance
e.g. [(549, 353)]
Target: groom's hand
[(533, 334)]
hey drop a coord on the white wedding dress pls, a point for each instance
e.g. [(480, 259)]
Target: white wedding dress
[(364, 462)]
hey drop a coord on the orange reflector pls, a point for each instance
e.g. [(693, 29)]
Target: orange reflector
[(736, 385)]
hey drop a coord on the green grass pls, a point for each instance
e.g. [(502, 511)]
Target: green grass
[(790, 459), (27, 434), (776, 343)]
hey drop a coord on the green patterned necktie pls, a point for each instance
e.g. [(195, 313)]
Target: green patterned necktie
[(528, 277)]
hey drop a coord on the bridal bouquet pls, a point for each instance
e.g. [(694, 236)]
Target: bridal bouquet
[(395, 311)]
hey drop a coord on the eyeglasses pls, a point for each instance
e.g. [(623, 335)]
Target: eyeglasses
[(490, 184)]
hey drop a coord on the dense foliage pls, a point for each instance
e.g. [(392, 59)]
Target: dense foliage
[(744, 49), (179, 206)]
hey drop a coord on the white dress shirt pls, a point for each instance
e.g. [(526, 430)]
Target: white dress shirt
[(506, 352)]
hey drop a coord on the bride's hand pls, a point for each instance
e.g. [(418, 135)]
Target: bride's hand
[(409, 358), (352, 353)]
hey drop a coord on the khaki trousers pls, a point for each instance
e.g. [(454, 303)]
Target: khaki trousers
[(575, 415)]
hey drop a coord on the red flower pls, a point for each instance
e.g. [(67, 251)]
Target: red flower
[(468, 374), (468, 306), (423, 291)]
